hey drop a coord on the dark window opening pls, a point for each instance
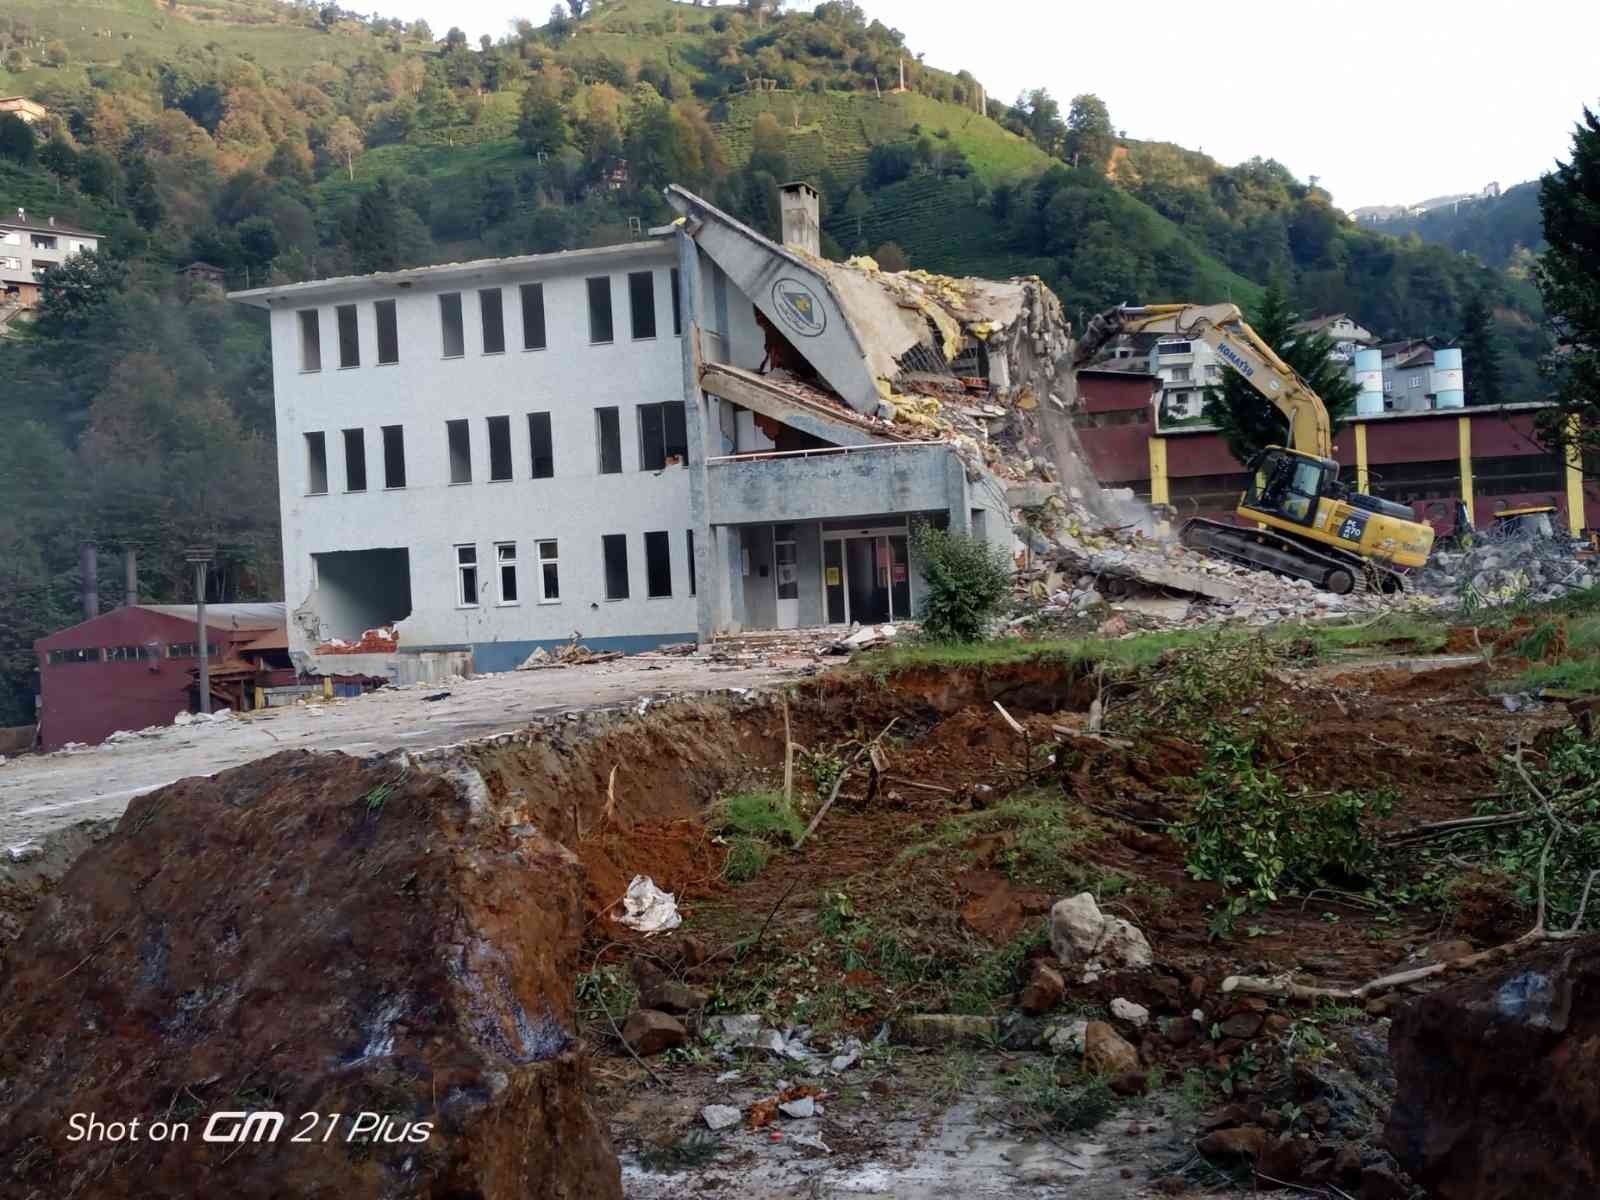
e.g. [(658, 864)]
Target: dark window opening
[(600, 327), (349, 336), (663, 438), (549, 573), (615, 546), (541, 445), (608, 431), (533, 316), (505, 554), (642, 304), (388, 332), (690, 541), (677, 305), (491, 308), (499, 448), (316, 464), (467, 576), (57, 658), (394, 456), (355, 460), (310, 341), (450, 318), (657, 564), (460, 451)]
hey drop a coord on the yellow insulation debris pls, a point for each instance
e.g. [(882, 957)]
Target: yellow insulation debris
[(863, 262)]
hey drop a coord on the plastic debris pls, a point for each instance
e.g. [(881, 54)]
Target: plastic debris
[(647, 908)]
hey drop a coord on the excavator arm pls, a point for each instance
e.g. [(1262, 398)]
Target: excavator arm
[(1224, 329)]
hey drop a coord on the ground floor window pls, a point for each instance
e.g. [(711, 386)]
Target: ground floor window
[(467, 576), (614, 546), (505, 555), (549, 572)]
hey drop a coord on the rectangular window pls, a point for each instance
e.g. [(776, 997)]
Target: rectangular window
[(349, 336), (690, 540), (600, 330), (191, 650), (491, 309), (663, 440), (540, 444), (499, 448), (310, 341), (316, 464), (608, 433), (455, 344), (505, 558), (467, 576), (58, 658), (533, 316), (355, 460), (677, 306), (658, 564), (394, 456), (615, 546), (388, 332), (129, 653), (44, 241), (460, 442), (642, 304), (549, 573), (1180, 374)]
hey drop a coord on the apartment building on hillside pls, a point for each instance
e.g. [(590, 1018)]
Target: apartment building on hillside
[(497, 456), (27, 246)]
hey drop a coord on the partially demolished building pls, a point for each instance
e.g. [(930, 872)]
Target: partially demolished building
[(695, 433)]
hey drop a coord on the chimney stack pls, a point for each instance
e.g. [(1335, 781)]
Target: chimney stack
[(802, 225), (130, 574), (89, 569)]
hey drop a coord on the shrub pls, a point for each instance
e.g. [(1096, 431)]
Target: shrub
[(759, 814), (968, 582)]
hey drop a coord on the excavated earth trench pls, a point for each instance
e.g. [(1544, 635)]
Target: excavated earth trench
[(447, 906)]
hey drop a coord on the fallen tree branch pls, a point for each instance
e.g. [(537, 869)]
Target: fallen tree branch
[(917, 783), (1439, 829), (826, 805)]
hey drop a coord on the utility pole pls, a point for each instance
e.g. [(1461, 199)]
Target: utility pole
[(201, 557)]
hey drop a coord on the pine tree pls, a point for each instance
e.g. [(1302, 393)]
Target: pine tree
[(1246, 418), (1480, 354), (1569, 280)]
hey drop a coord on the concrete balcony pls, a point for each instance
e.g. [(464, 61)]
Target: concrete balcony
[(841, 481)]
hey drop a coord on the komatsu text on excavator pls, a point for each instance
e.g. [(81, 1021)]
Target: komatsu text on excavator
[(1308, 525)]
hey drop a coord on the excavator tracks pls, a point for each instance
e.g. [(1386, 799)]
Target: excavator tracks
[(1269, 550)]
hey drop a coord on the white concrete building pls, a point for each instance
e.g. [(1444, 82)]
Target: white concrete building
[(28, 245), (499, 455), (1187, 368)]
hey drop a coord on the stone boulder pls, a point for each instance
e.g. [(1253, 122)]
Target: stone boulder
[(1495, 1075), (1082, 936), (308, 934)]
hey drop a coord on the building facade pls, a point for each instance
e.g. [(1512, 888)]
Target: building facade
[(27, 246), (498, 456), (135, 666)]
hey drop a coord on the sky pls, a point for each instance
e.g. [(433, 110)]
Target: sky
[(1385, 103)]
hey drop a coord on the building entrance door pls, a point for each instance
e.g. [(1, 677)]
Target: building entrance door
[(786, 572), (866, 578)]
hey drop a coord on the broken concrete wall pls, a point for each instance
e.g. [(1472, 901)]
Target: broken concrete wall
[(306, 934)]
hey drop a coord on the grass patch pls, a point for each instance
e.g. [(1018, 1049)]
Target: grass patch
[(747, 858), (1057, 1098), (988, 983), (1042, 829), (758, 814)]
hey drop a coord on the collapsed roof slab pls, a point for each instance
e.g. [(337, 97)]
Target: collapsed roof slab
[(795, 405), (796, 295)]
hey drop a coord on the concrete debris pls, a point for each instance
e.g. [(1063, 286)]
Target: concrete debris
[(1067, 1038), (805, 1106), (849, 1053), (1500, 571), (570, 654), (383, 640), (1136, 1015), (720, 1116), (647, 908), (1083, 937), (944, 1029), (865, 639)]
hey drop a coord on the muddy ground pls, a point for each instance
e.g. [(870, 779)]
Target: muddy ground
[(926, 888)]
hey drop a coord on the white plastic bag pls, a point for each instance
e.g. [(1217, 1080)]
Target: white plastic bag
[(647, 908)]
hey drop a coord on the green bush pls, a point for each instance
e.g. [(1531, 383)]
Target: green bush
[(747, 858), (968, 583), (758, 814)]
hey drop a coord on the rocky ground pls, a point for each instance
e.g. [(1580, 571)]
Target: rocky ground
[(1002, 961)]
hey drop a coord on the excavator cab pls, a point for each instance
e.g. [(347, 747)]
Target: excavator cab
[(1288, 485)]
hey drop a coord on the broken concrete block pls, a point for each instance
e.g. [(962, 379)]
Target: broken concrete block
[(264, 928), (719, 1116), (1067, 1038), (804, 1107), (1136, 1015)]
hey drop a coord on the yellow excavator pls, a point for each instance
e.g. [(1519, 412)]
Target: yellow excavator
[(1308, 525)]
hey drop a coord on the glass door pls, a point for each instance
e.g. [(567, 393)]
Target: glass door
[(786, 570), (833, 581)]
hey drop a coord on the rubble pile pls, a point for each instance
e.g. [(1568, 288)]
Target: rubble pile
[(310, 933), (1499, 571)]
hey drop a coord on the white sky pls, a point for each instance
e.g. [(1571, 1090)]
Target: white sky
[(1387, 101)]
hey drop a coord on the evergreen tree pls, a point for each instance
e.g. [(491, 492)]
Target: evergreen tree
[(16, 139), (1246, 418), (1569, 279), (543, 125), (1480, 354), (375, 237)]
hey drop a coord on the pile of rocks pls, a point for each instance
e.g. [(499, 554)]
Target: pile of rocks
[(1502, 571)]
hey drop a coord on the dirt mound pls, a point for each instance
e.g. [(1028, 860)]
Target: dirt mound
[(309, 934), (1496, 1097)]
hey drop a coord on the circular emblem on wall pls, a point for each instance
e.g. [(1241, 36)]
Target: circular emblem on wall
[(799, 307)]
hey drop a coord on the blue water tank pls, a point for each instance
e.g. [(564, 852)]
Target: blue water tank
[(1369, 378), (1448, 380)]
